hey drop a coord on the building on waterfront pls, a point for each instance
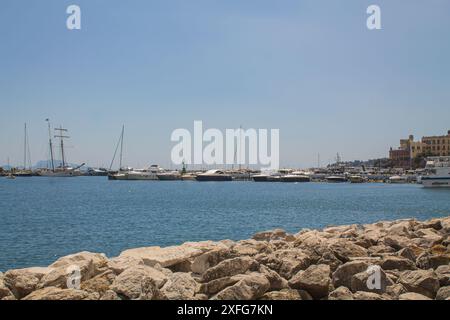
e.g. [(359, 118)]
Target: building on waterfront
[(410, 150)]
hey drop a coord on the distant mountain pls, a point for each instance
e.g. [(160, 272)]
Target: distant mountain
[(42, 164), (47, 164)]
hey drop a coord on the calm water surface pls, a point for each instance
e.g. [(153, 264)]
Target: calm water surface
[(42, 219)]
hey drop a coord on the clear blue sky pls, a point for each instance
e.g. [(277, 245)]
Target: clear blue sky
[(310, 68)]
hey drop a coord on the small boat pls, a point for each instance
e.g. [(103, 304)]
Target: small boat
[(100, 172), (214, 175), (10, 176), (273, 177), (357, 179), (169, 176), (398, 179), (440, 173), (336, 179), (295, 178), (24, 173)]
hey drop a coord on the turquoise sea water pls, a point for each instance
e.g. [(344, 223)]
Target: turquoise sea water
[(42, 219)]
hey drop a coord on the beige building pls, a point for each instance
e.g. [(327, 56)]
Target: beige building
[(436, 145), (410, 149)]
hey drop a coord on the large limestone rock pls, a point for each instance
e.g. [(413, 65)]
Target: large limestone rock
[(286, 294), (286, 262), (343, 274), (424, 282), (372, 280), (373, 235), (443, 293), (22, 282), (445, 223), (330, 259), (428, 237), (403, 228), (407, 253), (397, 242), (251, 287), (341, 293), (315, 280), (443, 274), (271, 235), (64, 269), (363, 295), (428, 260), (53, 293), (410, 296), (120, 264), (276, 281), (209, 259), (171, 256), (229, 267), (110, 295), (251, 247), (132, 283), (100, 283), (4, 290), (380, 250), (180, 286), (307, 239), (344, 250), (395, 290), (397, 263), (216, 285)]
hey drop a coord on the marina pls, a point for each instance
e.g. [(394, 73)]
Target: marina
[(435, 171)]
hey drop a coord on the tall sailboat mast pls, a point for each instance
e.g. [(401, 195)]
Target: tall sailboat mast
[(119, 143), (61, 136), (51, 145), (121, 147), (25, 148)]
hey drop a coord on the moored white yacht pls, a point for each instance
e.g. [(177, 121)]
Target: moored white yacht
[(439, 168), (169, 176), (214, 175), (150, 173), (296, 176)]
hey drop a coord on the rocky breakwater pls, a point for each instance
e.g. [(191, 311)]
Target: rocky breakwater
[(397, 260)]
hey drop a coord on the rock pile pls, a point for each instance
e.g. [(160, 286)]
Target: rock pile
[(399, 260)]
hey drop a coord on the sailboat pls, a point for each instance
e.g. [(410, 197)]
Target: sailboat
[(150, 173), (26, 171), (121, 174), (63, 170)]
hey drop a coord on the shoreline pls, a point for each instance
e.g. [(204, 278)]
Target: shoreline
[(388, 260)]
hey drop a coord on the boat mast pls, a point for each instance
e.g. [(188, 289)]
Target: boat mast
[(119, 143), (25, 148), (28, 151), (121, 147), (51, 144), (61, 130)]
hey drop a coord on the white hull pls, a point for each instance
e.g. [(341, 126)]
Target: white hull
[(131, 176), (57, 174)]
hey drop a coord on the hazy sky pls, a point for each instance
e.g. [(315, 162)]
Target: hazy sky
[(309, 68)]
